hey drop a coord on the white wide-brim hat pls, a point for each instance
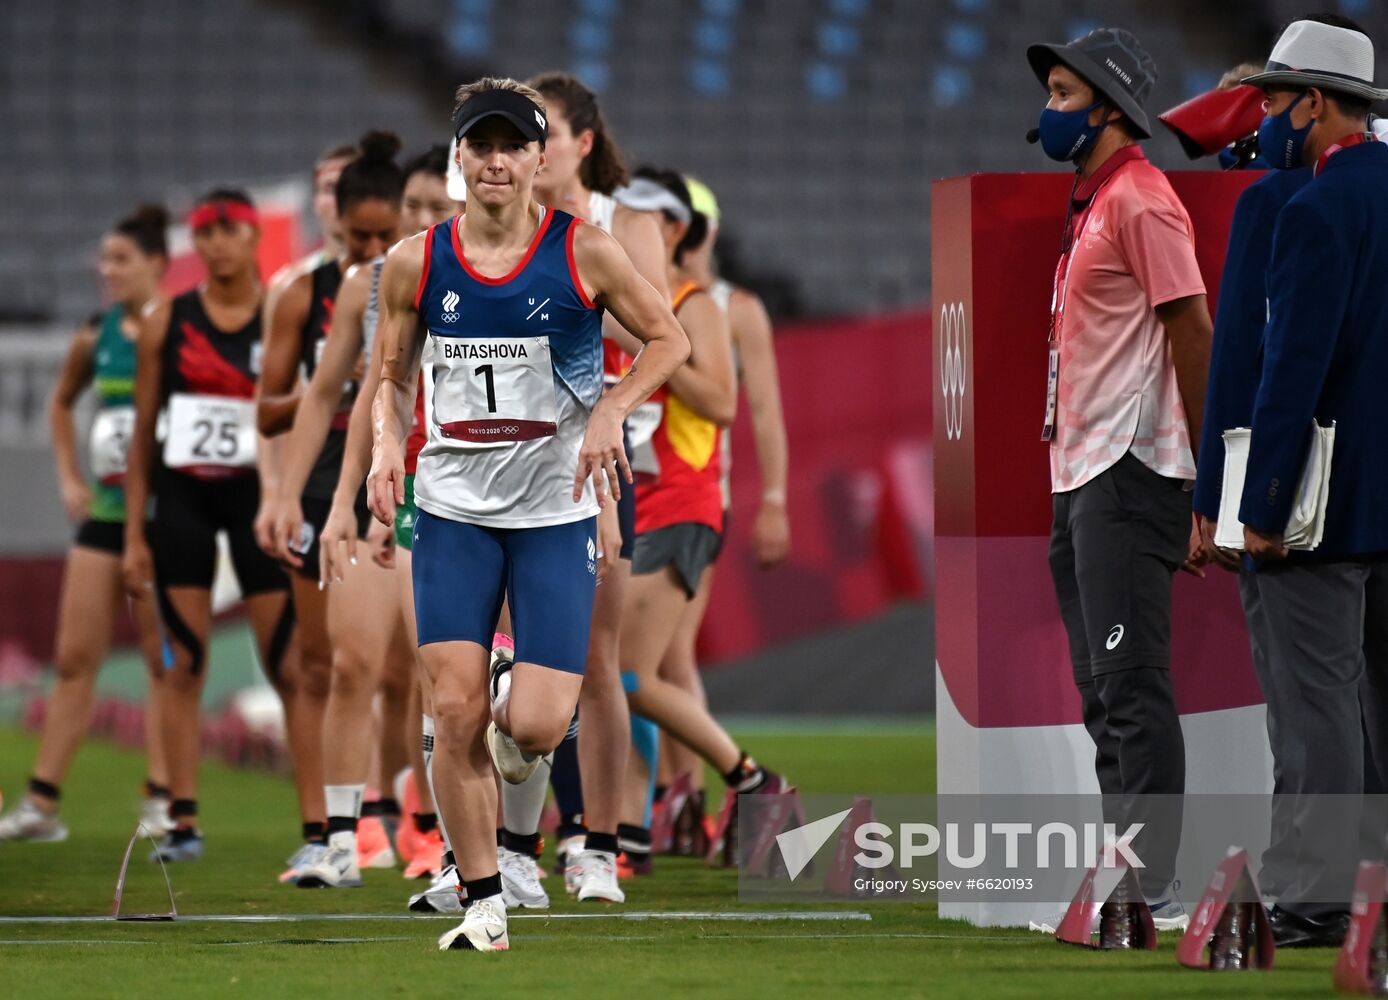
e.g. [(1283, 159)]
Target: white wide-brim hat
[(1312, 54)]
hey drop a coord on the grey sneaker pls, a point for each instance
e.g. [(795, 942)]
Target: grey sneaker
[(1169, 915), (178, 848), (520, 881), (27, 821)]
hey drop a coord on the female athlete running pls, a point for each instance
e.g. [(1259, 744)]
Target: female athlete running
[(134, 255), (338, 623), (583, 167), (503, 304), (194, 363)]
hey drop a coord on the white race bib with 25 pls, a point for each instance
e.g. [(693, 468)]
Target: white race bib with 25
[(110, 443), (208, 431), (493, 393)]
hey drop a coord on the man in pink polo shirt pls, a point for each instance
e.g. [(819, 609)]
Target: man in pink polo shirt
[(1129, 350)]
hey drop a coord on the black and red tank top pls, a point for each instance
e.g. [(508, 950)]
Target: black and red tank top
[(202, 361), (326, 279), (201, 358)]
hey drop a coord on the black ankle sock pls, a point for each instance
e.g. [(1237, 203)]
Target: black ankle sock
[(154, 791), (44, 790), (342, 824), (426, 822), (184, 812), (372, 809), (605, 842), (635, 841), (315, 833), (746, 776), (521, 843), (449, 861), (570, 826), (389, 807), (481, 888)]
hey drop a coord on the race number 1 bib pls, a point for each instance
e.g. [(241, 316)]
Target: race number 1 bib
[(210, 432), (492, 393), (110, 443)]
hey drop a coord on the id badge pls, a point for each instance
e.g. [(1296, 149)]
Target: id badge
[(1052, 387)]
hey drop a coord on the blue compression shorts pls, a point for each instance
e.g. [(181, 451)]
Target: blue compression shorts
[(462, 572)]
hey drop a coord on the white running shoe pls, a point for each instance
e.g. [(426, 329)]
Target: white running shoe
[(337, 869), (483, 928), (597, 878), (520, 881), (444, 895), (27, 821), (301, 860), (569, 850), (154, 816), (511, 763)]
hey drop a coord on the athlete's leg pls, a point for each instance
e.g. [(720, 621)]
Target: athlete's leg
[(604, 734), (655, 602), (306, 703), (145, 615), (187, 616), (91, 593), (361, 629), (459, 575), (183, 541), (396, 685), (681, 668)]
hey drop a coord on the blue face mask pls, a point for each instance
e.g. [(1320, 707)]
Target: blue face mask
[(1065, 135), (1282, 145)]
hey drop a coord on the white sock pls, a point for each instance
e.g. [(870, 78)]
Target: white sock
[(524, 803), (429, 776), (343, 802)]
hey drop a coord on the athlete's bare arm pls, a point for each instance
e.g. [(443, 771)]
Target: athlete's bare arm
[(639, 235), (609, 278), (138, 567), (707, 383), (320, 400), (751, 330), (338, 540), (72, 381), (278, 390), (401, 343)]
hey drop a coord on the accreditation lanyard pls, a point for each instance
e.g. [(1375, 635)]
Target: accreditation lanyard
[(1356, 139), (1059, 289)]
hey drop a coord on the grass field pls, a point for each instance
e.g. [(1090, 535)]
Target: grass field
[(249, 819)]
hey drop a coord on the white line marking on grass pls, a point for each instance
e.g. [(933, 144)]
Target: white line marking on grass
[(732, 916)]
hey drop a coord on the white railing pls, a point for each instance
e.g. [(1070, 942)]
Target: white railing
[(30, 360)]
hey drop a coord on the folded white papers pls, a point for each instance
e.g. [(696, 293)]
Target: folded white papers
[(1307, 522)]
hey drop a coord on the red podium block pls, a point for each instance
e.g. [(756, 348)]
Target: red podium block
[(1363, 963), (1231, 906)]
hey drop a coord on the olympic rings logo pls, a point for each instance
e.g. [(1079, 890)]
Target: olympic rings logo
[(953, 370)]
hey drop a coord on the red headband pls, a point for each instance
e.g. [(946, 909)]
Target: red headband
[(222, 211)]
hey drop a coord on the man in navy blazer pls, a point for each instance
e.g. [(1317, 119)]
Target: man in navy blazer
[(1325, 357)]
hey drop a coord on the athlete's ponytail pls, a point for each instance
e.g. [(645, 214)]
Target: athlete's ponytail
[(697, 232), (374, 174), (148, 229), (603, 169), (433, 161)]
